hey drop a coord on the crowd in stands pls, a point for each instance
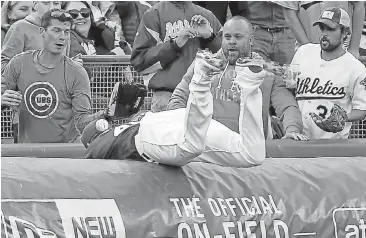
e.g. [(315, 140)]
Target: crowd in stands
[(162, 44)]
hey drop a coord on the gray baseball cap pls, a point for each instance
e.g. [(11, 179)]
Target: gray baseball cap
[(333, 17)]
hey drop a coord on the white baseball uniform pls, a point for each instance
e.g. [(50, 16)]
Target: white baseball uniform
[(321, 84), (178, 137), (185, 135)]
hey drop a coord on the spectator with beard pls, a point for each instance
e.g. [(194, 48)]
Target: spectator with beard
[(300, 16), (12, 11), (236, 42), (192, 133), (331, 79), (24, 34), (51, 90)]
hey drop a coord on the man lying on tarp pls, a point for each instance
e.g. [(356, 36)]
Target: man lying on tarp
[(177, 137)]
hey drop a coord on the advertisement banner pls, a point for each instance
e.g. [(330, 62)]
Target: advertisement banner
[(61, 218), (283, 198)]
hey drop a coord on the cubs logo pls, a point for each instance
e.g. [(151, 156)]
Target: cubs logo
[(363, 83), (41, 99)]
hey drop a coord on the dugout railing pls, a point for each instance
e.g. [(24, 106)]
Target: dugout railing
[(105, 72)]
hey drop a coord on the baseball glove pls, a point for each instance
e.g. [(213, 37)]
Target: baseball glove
[(334, 123), (126, 100)]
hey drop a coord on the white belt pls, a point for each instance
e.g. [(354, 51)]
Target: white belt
[(140, 149)]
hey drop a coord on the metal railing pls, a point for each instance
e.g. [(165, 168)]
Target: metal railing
[(108, 70)]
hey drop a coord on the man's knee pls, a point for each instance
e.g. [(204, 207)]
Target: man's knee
[(258, 160), (248, 162), (257, 155), (192, 154), (172, 155)]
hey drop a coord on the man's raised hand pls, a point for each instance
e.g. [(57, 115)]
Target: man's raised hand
[(202, 26)]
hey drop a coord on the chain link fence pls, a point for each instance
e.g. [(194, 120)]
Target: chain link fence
[(108, 70)]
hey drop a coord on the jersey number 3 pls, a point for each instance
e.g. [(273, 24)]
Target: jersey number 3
[(322, 110)]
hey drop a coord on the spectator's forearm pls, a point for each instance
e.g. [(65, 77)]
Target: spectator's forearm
[(357, 25), (293, 22), (356, 115), (4, 86), (4, 61), (292, 120), (83, 120), (9, 76), (162, 54), (81, 103)]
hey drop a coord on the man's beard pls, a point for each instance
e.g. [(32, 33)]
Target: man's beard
[(232, 57), (327, 46)]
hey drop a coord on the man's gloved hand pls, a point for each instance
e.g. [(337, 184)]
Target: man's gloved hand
[(334, 123), (126, 100), (207, 65)]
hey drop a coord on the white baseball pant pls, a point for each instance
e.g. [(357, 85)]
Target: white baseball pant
[(181, 136)]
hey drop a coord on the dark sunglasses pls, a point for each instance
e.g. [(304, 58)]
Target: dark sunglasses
[(84, 12), (61, 15)]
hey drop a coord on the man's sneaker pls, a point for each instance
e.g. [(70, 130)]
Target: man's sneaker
[(207, 65), (250, 73)]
